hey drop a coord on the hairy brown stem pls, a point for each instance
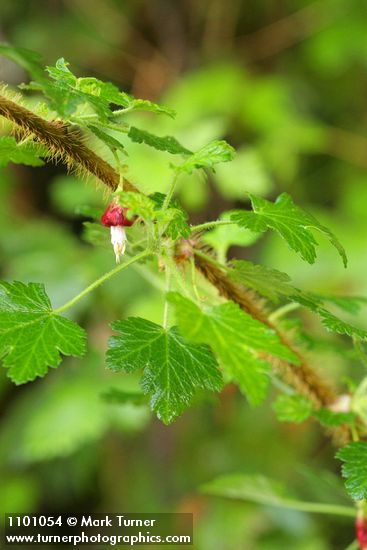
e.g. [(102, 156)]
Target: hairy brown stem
[(61, 143), (69, 148), (303, 377)]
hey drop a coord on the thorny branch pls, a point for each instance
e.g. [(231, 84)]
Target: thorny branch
[(70, 149)]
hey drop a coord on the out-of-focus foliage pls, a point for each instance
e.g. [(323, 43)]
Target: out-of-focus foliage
[(284, 83)]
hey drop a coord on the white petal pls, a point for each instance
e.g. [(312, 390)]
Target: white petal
[(118, 240)]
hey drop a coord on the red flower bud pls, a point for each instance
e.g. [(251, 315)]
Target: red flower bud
[(116, 215), (361, 532)]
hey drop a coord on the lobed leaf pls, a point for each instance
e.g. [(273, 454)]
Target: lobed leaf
[(208, 156), (293, 224), (274, 284), (164, 143), (330, 419), (297, 408), (238, 340), (29, 60), (176, 219), (174, 369), (138, 204), (31, 335), (292, 408), (354, 469), (26, 152), (74, 93), (67, 93), (266, 281), (106, 91), (328, 319), (111, 142)]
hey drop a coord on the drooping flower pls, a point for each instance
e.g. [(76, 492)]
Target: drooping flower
[(115, 217)]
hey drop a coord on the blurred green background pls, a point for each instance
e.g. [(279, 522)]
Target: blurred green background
[(285, 82)]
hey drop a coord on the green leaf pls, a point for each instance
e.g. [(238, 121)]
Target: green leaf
[(100, 95), (174, 369), (176, 220), (164, 143), (29, 60), (66, 92), (328, 319), (262, 490), (31, 335), (292, 223), (172, 219), (108, 140), (26, 152), (350, 304), (236, 339), (105, 91), (176, 217), (253, 488), (74, 93), (138, 204), (208, 156), (329, 418), (266, 281), (333, 323), (354, 468), (146, 105), (292, 408)]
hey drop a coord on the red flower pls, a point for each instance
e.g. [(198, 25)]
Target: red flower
[(115, 218), (116, 215)]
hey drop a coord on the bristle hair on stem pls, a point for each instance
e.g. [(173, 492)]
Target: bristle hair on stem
[(67, 147)]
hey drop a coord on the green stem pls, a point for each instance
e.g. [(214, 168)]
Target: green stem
[(100, 281), (166, 303), (280, 312), (170, 192), (92, 116), (119, 169), (210, 225), (193, 279), (116, 128), (314, 507), (118, 112), (181, 283)]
